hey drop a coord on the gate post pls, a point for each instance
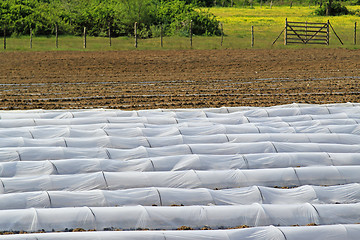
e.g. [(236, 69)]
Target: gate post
[(285, 33), (328, 33)]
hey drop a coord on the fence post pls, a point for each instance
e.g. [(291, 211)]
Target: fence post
[(222, 34), (161, 35), (285, 32), (191, 43), (84, 37), (355, 33), (31, 37), (4, 38), (56, 36), (252, 36), (109, 34), (135, 34)]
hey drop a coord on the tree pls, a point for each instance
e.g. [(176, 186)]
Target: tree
[(4, 15), (328, 8), (332, 9)]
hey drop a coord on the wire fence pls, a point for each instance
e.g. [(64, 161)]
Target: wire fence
[(256, 36)]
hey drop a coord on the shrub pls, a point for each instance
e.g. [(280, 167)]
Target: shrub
[(98, 15), (335, 9), (176, 16)]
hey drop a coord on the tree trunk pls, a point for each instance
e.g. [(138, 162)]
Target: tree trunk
[(329, 8)]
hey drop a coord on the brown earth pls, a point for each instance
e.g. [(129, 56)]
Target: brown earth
[(177, 79)]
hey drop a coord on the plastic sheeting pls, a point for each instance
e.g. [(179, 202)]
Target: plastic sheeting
[(54, 152), (339, 194), (280, 110), (133, 142), (97, 169), (116, 130), (175, 163), (332, 232), (221, 179), (196, 217), (157, 118)]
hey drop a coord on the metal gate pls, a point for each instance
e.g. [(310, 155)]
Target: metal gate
[(306, 33)]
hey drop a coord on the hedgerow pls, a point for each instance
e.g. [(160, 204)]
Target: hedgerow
[(98, 16)]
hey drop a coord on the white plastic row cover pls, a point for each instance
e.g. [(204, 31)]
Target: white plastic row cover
[(89, 151), (301, 120), (115, 130), (329, 232), (188, 128), (11, 166), (133, 142), (284, 177), (285, 110), (339, 194), (57, 153), (171, 218)]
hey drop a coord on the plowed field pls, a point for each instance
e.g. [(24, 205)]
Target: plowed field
[(177, 79)]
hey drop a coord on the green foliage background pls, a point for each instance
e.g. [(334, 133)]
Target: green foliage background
[(98, 16)]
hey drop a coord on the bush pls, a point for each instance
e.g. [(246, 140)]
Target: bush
[(98, 15), (335, 9), (176, 16)]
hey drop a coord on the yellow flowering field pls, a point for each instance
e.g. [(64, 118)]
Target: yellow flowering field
[(269, 22)]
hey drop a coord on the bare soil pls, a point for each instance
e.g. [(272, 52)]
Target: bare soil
[(177, 79)]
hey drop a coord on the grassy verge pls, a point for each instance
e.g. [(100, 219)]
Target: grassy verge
[(268, 23)]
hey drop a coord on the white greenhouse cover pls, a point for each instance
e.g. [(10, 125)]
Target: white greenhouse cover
[(165, 217), (158, 196), (275, 169), (332, 232)]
